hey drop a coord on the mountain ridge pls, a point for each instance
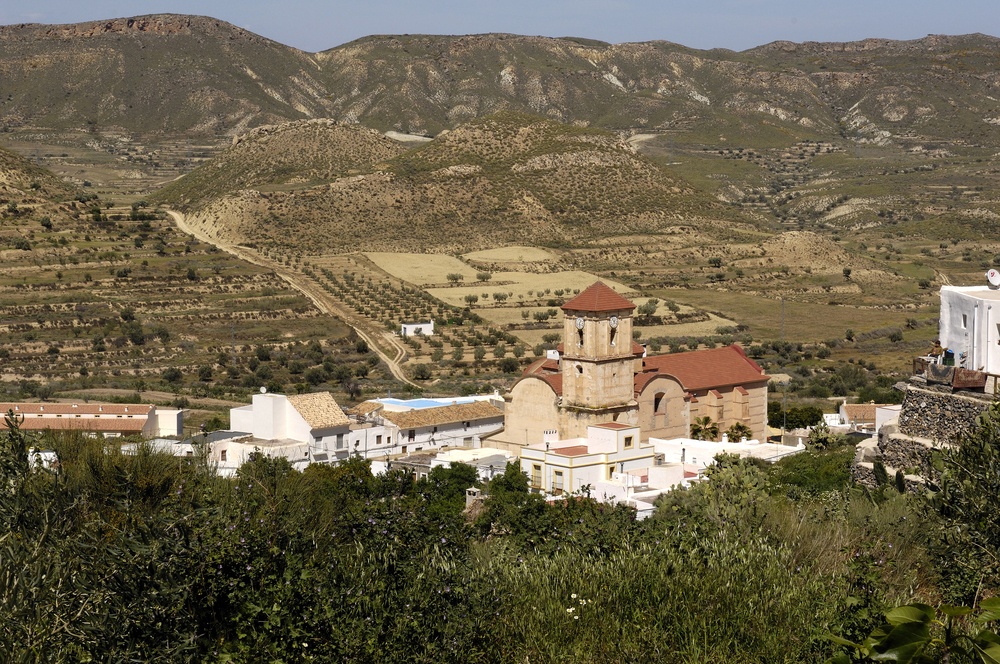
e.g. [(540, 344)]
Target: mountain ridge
[(161, 74)]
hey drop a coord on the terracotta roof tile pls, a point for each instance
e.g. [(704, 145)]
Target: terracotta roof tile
[(555, 381), (598, 297), (860, 412), (77, 408), (572, 451), (98, 424), (708, 368), (319, 410), (426, 417), (365, 407)]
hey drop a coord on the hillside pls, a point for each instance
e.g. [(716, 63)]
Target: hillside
[(292, 153), (97, 294), (20, 178), (493, 181), (159, 75)]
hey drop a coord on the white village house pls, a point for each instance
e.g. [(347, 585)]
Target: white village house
[(970, 328), (109, 420), (418, 329), (303, 428), (612, 465), (395, 426)]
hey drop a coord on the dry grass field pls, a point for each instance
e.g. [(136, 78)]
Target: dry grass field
[(803, 321), (515, 254), (422, 269), (526, 287)]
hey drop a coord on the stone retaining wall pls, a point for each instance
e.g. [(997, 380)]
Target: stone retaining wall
[(943, 417), (898, 451)]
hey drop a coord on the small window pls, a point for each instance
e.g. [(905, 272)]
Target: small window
[(536, 477), (965, 322), (222, 455), (611, 471), (628, 442), (557, 482), (378, 440), (579, 370), (340, 441), (411, 435)]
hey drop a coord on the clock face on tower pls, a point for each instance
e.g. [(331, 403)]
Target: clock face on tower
[(613, 322), (579, 323)]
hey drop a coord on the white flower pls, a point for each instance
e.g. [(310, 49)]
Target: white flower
[(576, 617), (573, 596), (570, 610)]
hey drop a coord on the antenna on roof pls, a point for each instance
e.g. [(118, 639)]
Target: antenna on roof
[(993, 277), (263, 390)]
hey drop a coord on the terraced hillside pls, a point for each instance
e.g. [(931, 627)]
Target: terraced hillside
[(96, 295), (494, 181)]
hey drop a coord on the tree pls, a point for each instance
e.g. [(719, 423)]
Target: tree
[(738, 431), (316, 376), (471, 299), (703, 428), (455, 277), (509, 365), (483, 276), (649, 308), (421, 372), (172, 374), (968, 508), (847, 273)]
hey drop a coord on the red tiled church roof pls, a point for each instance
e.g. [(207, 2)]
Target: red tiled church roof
[(708, 368), (598, 297), (695, 370)]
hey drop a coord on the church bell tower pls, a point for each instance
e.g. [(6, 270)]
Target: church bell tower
[(597, 360)]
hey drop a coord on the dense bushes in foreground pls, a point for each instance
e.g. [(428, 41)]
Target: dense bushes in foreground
[(155, 559)]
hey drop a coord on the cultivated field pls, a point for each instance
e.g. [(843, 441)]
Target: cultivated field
[(515, 254)]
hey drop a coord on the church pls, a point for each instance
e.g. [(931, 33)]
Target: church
[(601, 375)]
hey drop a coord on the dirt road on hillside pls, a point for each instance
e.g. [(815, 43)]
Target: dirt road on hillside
[(382, 343)]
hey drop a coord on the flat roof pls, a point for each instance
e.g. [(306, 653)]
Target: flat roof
[(573, 451)]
